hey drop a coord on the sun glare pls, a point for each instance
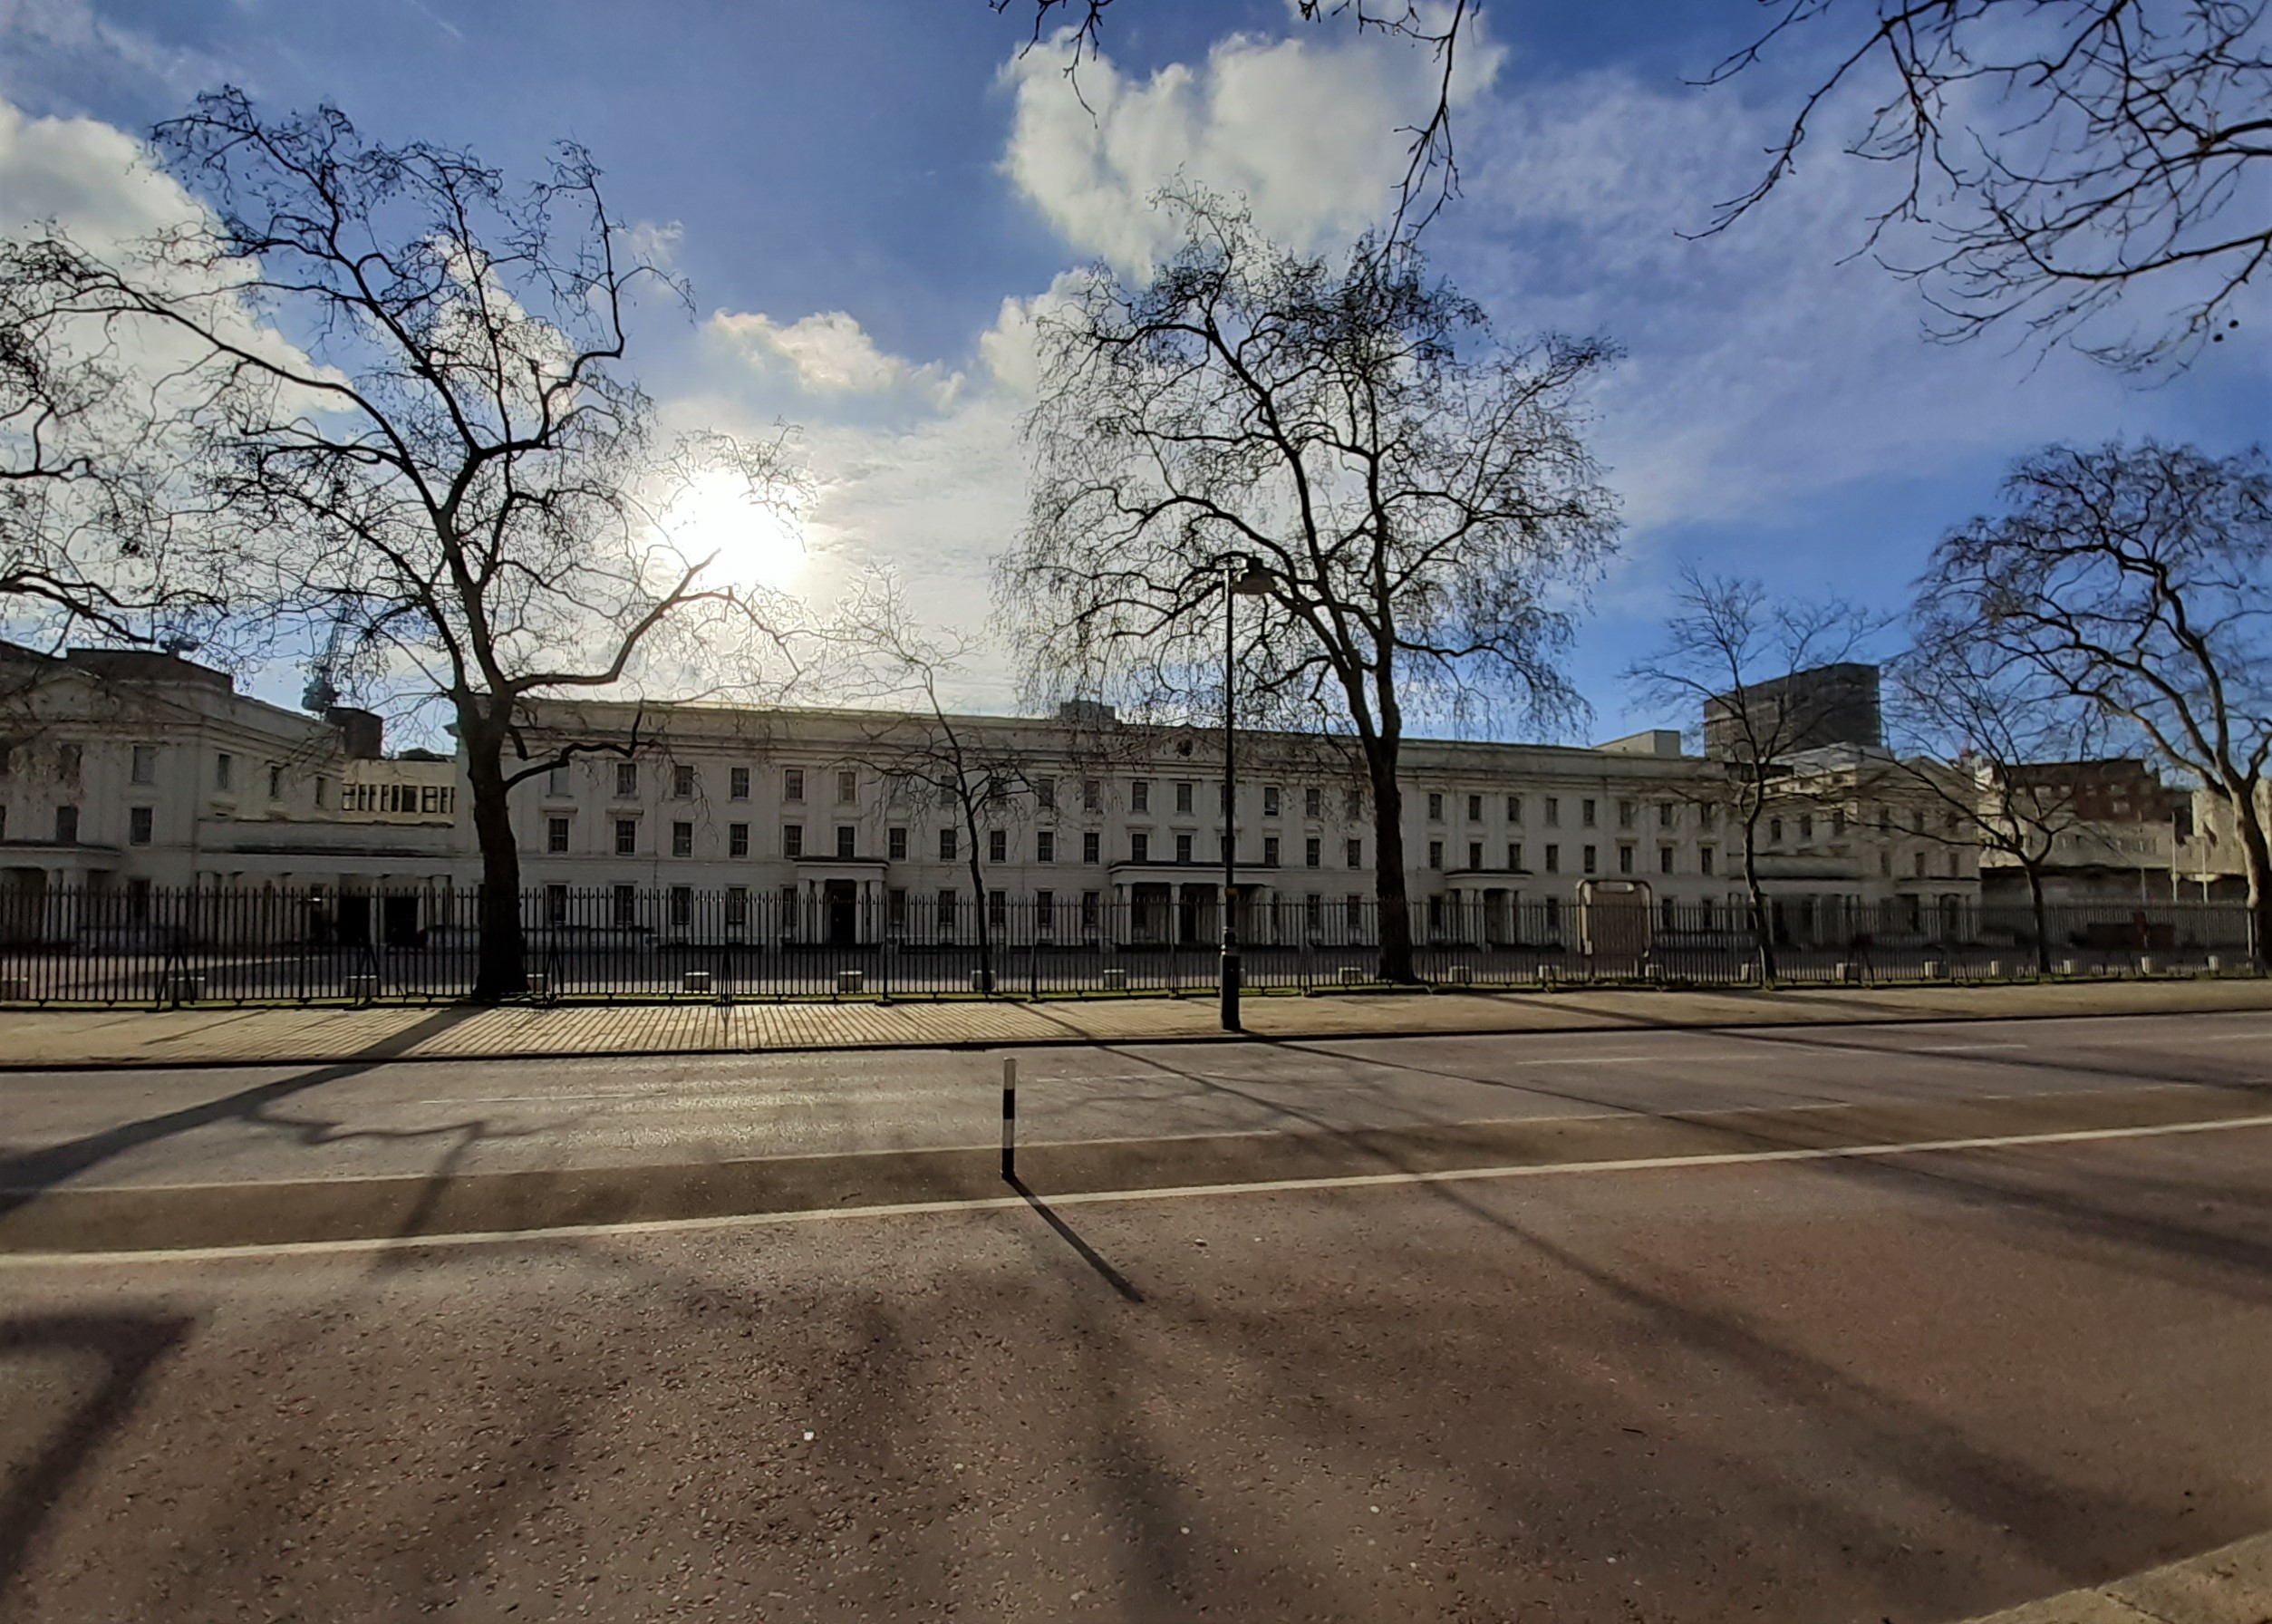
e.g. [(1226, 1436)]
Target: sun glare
[(753, 542)]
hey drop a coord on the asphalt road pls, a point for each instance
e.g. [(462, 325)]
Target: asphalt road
[(1788, 1383)]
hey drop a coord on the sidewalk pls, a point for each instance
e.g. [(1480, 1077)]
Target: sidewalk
[(44, 1040), (2232, 1585)]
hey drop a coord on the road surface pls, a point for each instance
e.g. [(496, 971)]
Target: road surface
[(1676, 1354)]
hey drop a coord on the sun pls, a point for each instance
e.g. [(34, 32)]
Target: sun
[(753, 542)]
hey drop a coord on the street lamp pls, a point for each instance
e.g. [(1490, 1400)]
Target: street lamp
[(1243, 575)]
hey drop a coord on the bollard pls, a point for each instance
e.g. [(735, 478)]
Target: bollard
[(1009, 1119)]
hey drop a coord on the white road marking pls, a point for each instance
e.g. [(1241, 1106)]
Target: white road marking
[(1951, 1049), (909, 1209)]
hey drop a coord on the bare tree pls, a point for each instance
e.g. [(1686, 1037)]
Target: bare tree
[(417, 424), (1728, 650), (2003, 751), (928, 756), (1418, 494), (2136, 579), (2060, 156), (93, 538), (1431, 177)]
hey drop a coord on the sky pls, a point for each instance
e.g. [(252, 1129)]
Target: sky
[(870, 196)]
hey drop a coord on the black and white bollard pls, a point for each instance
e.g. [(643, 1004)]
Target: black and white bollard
[(1009, 1118)]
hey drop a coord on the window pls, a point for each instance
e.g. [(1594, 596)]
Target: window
[(1474, 808), (681, 906), (139, 821), (1626, 813), (1664, 859), (1666, 815), (556, 904), (1269, 851), (1920, 820), (1515, 856), (1269, 800), (323, 791), (1625, 859), (1045, 913), (682, 839), (1092, 847), (847, 787), (626, 780), (947, 845), (626, 907), (1353, 911), (1354, 804), (895, 845), (1704, 859), (1585, 813), (1311, 857), (1474, 853), (1435, 806), (737, 909), (145, 764), (275, 782), (737, 840), (998, 909), (1092, 909), (1183, 849), (1553, 859), (1806, 826), (1590, 859), (557, 779), (946, 909), (1554, 914), (682, 782), (1515, 808), (1554, 812), (1044, 846), (1920, 856), (1666, 912), (737, 783), (792, 783), (1314, 914), (1139, 847), (224, 772), (895, 908), (997, 846), (1312, 799), (1140, 795), (792, 840), (556, 837), (627, 836), (70, 759), (1182, 796), (1838, 822), (1092, 796), (1045, 793), (1885, 865), (1355, 854)]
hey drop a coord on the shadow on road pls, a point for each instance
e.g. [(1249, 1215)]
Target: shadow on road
[(1089, 1254), (26, 1175), (130, 1346)]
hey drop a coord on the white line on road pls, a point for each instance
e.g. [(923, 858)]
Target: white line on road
[(1276, 1186)]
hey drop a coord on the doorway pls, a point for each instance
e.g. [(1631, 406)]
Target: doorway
[(841, 899)]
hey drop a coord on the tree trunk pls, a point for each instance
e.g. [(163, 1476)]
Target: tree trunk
[(2257, 856), (1763, 928), (2042, 927), (978, 902), (1389, 876), (501, 971)]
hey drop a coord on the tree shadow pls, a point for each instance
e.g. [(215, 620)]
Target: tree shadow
[(130, 1345), (26, 1175)]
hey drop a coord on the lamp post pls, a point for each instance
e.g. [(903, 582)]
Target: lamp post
[(1242, 576)]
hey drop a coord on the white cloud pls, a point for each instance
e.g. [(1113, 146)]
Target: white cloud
[(828, 354), (93, 178), (1305, 128)]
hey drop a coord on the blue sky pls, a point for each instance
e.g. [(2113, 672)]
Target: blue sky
[(868, 194)]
